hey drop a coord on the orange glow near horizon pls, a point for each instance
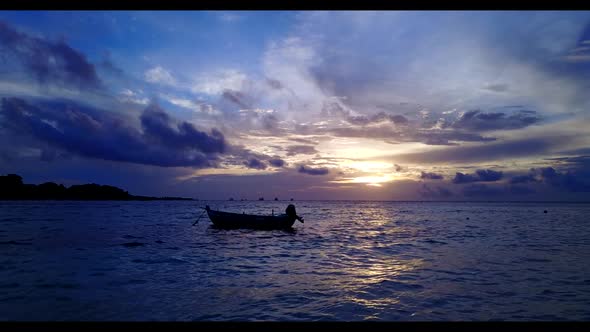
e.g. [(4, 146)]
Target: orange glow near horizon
[(373, 181)]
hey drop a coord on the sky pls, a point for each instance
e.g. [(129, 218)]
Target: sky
[(356, 105)]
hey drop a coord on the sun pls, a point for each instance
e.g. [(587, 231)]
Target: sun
[(370, 166)]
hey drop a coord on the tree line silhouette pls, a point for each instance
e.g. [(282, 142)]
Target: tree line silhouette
[(13, 188)]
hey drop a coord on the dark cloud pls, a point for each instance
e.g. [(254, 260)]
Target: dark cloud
[(430, 137), (576, 177), (488, 175), (362, 120), (437, 192), (88, 132), (251, 118), (480, 121), (337, 109), (493, 151), (580, 151), (431, 176), (481, 190), (275, 84), (237, 98), (158, 126), (255, 164), (303, 140), (578, 166), (574, 181), (47, 61), (444, 137), (334, 109), (481, 175), (277, 162), (577, 160), (313, 171), (269, 122), (111, 68), (496, 87), (300, 149), (238, 155), (529, 178), (464, 178)]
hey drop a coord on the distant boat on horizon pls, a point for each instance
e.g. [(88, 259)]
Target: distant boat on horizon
[(261, 199)]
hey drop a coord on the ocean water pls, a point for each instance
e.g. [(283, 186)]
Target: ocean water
[(349, 261)]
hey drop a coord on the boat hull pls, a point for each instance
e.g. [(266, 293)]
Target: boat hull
[(235, 220)]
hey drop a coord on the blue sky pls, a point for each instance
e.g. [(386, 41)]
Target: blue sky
[(341, 105)]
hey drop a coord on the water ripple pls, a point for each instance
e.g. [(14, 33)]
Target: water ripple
[(352, 261)]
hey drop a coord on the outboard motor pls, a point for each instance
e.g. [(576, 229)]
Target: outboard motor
[(290, 211)]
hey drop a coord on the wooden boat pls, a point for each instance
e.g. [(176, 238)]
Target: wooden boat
[(236, 220)]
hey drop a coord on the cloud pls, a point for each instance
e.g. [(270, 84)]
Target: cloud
[(437, 192), (529, 178), (574, 181), (429, 137), (481, 175), (273, 83), (518, 148), (158, 126), (192, 105), (300, 149), (376, 118), (302, 140), (488, 175), (313, 171), (479, 121), (49, 62), (431, 176), (479, 190), (337, 108), (277, 162), (496, 87), (255, 164), (159, 75), (581, 51), (583, 151), (108, 65), (259, 119), (526, 48), (237, 98), (129, 96), (218, 82), (444, 137), (92, 133)]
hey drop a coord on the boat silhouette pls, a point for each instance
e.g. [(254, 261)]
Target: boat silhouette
[(228, 220)]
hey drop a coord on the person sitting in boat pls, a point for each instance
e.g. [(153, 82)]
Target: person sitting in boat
[(290, 211)]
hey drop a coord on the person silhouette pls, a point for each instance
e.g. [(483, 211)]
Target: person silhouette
[(290, 211)]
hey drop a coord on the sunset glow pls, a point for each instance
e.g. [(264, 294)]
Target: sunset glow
[(409, 106)]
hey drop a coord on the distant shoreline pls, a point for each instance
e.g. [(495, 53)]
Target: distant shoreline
[(286, 201), (99, 199), (12, 188)]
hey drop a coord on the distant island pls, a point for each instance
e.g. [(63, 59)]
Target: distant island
[(13, 188)]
